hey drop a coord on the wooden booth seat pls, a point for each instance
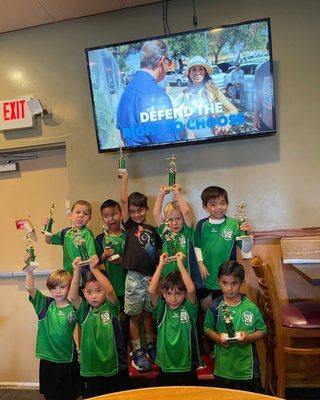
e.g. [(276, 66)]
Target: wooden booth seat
[(293, 328)]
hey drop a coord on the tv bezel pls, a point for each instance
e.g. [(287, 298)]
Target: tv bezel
[(191, 141)]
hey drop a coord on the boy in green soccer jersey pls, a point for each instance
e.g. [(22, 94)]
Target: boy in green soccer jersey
[(111, 216), (59, 370), (236, 360), (80, 215), (103, 363), (215, 241), (176, 231), (176, 314)]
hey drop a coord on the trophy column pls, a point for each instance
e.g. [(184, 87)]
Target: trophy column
[(80, 243), (231, 335), (48, 228), (108, 244), (172, 172), (247, 239)]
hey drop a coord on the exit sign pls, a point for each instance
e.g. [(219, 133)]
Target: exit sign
[(15, 114)]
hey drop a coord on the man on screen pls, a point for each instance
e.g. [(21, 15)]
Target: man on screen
[(144, 113)]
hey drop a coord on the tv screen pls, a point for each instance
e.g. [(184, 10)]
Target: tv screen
[(192, 87)]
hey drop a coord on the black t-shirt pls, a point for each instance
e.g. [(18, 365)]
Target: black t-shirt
[(142, 248)]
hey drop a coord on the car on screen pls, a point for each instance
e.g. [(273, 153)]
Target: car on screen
[(175, 78), (217, 76)]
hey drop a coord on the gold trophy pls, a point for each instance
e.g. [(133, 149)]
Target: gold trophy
[(80, 244), (231, 335), (172, 171), (30, 263), (121, 161), (48, 228), (169, 239), (108, 243), (247, 239)]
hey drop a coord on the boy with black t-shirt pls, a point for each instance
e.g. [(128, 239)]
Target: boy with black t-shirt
[(140, 257), (236, 359)]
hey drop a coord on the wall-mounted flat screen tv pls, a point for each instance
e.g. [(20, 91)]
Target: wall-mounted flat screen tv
[(192, 87)]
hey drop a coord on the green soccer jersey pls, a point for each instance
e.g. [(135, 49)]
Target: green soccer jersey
[(179, 242), (70, 251), (55, 329), (116, 273), (237, 360), (98, 347), (177, 346), (216, 242)]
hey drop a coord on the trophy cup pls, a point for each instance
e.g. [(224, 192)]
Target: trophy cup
[(30, 263), (48, 228), (247, 239), (169, 239), (121, 161), (80, 244), (108, 244), (172, 171), (231, 335)]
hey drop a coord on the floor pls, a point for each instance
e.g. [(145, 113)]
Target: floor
[(31, 394)]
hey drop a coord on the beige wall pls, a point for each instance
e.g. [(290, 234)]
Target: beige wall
[(277, 176)]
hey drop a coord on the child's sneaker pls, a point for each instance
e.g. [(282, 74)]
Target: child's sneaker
[(140, 361), (151, 352)]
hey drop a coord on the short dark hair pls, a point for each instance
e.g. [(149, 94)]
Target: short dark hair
[(109, 203), (232, 268), (138, 199), (213, 192), (173, 279), (89, 277), (151, 53)]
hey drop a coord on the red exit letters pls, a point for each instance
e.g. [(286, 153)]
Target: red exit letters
[(13, 109)]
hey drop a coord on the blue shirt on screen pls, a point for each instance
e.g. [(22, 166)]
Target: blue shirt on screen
[(143, 94)]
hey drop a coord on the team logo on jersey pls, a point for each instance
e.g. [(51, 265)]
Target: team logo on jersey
[(184, 316), (182, 241), (247, 317), (105, 317), (227, 234), (72, 317)]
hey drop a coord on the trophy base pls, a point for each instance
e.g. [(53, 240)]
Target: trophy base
[(171, 258), (31, 266), (235, 338), (169, 188), (113, 257), (122, 170), (84, 263), (46, 233)]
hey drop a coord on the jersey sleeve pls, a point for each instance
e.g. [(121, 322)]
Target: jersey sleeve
[(83, 312), (56, 238), (114, 308), (190, 233), (90, 242), (40, 303), (158, 309)]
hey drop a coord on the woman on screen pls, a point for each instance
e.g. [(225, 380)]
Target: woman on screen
[(210, 107)]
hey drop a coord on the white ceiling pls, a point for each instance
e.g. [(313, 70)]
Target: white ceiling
[(19, 14)]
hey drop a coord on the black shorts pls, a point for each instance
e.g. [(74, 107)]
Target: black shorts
[(189, 378), (60, 380), (98, 385), (250, 385)]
